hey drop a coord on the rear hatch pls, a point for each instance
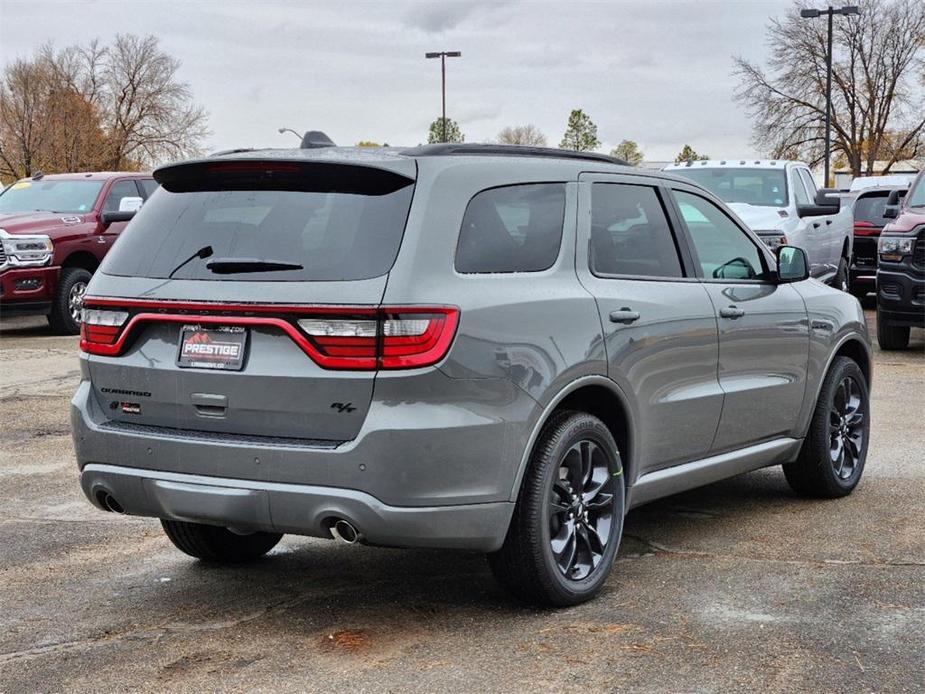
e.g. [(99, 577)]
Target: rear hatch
[(244, 298)]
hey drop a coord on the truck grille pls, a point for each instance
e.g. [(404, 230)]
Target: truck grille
[(2, 255), (918, 255)]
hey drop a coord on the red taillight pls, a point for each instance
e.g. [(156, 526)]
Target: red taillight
[(862, 228), (335, 337)]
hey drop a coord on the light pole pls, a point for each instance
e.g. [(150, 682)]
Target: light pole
[(443, 55), (289, 130), (812, 14)]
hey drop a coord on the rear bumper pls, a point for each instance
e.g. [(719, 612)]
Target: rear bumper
[(28, 291), (901, 296), (248, 505)]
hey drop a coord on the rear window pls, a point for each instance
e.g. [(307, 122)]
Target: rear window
[(869, 208), (267, 228), (512, 229)]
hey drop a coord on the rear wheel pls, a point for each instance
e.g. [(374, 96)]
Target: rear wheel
[(67, 303), (567, 525), (891, 336), (213, 543), (832, 458)]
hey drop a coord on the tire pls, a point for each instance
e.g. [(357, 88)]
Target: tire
[(216, 544), (839, 425), (580, 447), (72, 284), (890, 336), (840, 281)]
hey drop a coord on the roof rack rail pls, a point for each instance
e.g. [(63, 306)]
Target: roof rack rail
[(451, 148)]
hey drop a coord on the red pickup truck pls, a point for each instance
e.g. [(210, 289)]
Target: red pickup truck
[(54, 231)]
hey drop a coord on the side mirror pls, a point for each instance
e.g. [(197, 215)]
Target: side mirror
[(829, 197), (108, 218), (815, 210), (891, 212), (792, 265), (130, 204), (895, 196)]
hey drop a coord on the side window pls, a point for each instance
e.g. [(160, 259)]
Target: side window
[(724, 251), (810, 183), (119, 190), (149, 185), (512, 229), (630, 234), (799, 190)]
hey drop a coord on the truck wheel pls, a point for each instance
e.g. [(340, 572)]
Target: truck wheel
[(840, 281), (891, 336), (567, 524), (212, 543), (833, 454), (64, 318)]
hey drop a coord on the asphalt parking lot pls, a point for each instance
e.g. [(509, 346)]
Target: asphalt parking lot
[(732, 586)]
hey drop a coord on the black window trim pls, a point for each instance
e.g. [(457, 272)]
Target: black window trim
[(660, 194), (529, 273), (770, 266)]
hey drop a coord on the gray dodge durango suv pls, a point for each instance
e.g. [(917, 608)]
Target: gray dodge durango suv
[(494, 348)]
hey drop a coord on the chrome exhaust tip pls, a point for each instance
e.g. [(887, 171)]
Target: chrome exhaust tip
[(344, 531), (108, 502)]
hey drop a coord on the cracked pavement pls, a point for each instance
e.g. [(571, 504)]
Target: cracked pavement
[(738, 585)]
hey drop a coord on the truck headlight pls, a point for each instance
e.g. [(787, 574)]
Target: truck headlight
[(893, 248), (22, 250)]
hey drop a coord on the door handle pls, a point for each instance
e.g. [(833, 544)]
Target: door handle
[(625, 315), (815, 225), (828, 221), (732, 312)]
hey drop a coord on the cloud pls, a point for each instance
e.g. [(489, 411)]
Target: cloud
[(437, 17)]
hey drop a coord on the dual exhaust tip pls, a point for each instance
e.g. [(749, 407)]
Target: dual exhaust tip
[(346, 532)]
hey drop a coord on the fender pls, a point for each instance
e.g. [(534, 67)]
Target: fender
[(847, 337), (593, 380)]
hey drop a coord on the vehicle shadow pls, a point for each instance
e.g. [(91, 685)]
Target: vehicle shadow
[(311, 584)]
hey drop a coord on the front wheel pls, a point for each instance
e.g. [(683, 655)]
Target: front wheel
[(835, 449), (67, 302), (568, 521), (890, 336), (840, 281), (212, 543)]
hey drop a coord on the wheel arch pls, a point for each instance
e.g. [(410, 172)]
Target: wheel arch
[(596, 395), (82, 259), (855, 349)]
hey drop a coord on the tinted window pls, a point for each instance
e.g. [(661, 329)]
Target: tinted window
[(630, 234), (869, 208), (763, 187), (122, 189), (512, 229), (149, 185), (723, 249), (917, 194), (331, 235), (50, 196)]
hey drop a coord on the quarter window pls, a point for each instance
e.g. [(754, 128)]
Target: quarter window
[(724, 251), (512, 229), (630, 234)]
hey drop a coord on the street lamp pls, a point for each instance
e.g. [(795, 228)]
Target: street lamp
[(443, 55), (289, 130), (812, 14)]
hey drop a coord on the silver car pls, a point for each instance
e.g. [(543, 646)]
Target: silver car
[(495, 348)]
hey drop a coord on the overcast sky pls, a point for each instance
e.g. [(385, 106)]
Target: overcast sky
[(654, 71)]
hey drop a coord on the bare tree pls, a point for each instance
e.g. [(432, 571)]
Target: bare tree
[(522, 135), (96, 107), (878, 86)]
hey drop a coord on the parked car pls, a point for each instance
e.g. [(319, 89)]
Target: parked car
[(883, 181), (780, 202), (868, 207), (901, 270), (485, 347), (54, 231)]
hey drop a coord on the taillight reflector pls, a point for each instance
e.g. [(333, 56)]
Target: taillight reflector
[(862, 228)]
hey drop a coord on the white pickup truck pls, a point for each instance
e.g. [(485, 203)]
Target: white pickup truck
[(780, 202)]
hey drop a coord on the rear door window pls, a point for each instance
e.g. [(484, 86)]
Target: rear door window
[(512, 229), (308, 230), (630, 234)]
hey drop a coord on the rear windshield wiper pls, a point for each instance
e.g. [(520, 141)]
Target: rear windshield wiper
[(232, 266)]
